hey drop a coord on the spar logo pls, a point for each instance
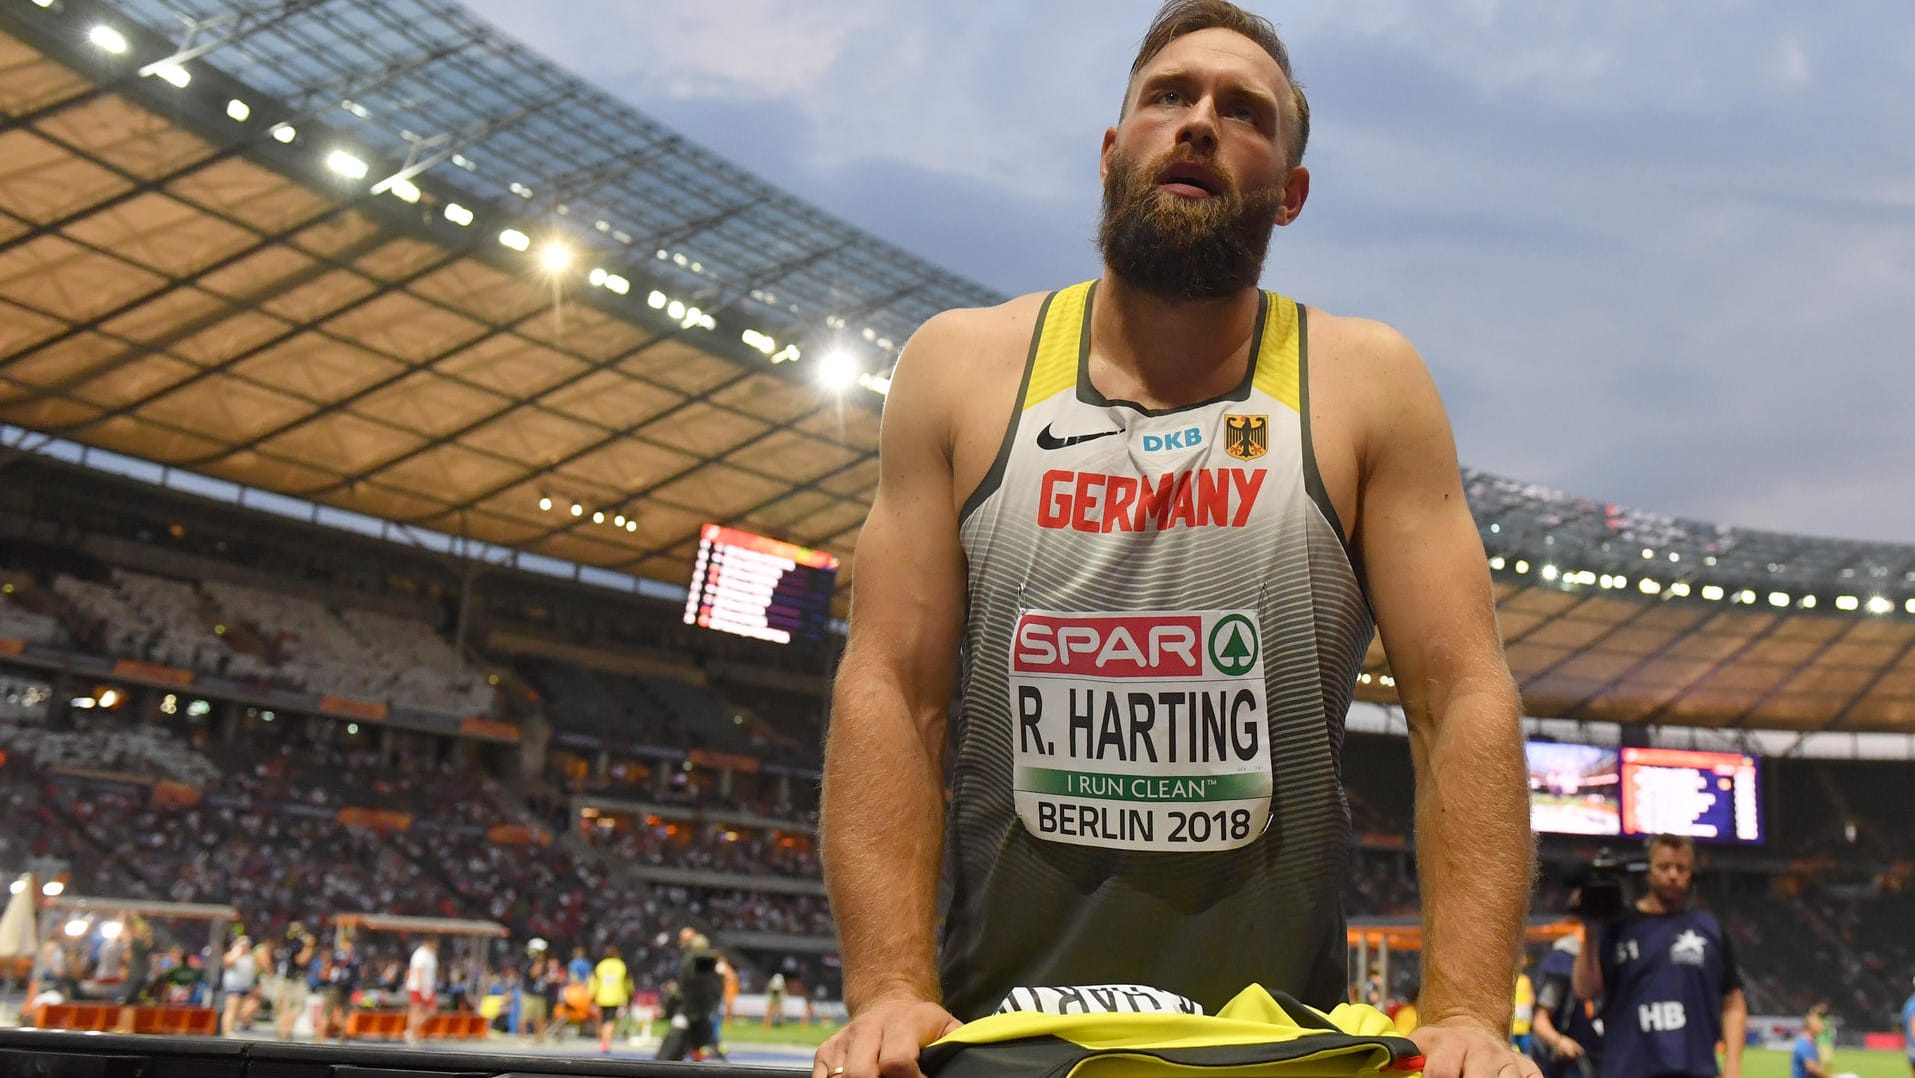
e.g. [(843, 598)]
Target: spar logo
[(1233, 645), (1109, 646)]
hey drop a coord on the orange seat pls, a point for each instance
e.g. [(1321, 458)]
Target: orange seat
[(375, 1024), (88, 1017), (198, 1021), (460, 1027)]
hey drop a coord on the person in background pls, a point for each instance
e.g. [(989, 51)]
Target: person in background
[(293, 992), (775, 1001), (1568, 1040), (1805, 1060), (422, 988), (238, 980), (1523, 1017), (341, 980), (537, 993), (611, 991)]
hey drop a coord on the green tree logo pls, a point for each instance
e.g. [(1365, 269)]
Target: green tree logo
[(1233, 645)]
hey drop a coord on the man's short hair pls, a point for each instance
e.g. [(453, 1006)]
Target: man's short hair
[(1674, 842), (1179, 17)]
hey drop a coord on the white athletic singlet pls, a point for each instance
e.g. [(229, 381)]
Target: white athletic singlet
[(1163, 637)]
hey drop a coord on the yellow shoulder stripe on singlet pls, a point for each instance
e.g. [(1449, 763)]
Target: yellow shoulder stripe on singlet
[(1060, 342), (1279, 355)]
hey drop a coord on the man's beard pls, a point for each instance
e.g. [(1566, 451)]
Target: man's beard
[(1181, 249)]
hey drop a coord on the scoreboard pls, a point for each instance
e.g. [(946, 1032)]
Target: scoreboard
[(1712, 796), (762, 588)]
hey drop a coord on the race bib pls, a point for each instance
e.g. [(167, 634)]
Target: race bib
[(1141, 730)]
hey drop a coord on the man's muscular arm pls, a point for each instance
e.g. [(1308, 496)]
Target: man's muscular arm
[(1429, 583), (883, 804)]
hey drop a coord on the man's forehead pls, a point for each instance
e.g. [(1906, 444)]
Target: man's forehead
[(1215, 48)]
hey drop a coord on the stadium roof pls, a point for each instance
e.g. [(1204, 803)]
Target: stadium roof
[(300, 246)]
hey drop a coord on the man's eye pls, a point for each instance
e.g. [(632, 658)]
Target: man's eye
[(1169, 97)]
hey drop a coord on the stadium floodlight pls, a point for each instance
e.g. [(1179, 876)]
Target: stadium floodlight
[(1879, 605), (53, 888), (1549, 572), (42, 3), (238, 111), (578, 510), (285, 133), (107, 39), (1778, 598), (596, 278), (554, 257), (631, 525), (110, 698), (876, 383), (1497, 562), (1712, 592), (458, 214), (172, 74), (76, 928), (545, 504), (1808, 602), (598, 516), (347, 165), (111, 930), (352, 728), (657, 300), (618, 521), (1680, 589), (515, 239), (1746, 597), (1647, 554), (1648, 586), (788, 354), (1847, 602), (1521, 567), (616, 285), (1908, 606), (675, 310), (87, 703), (405, 191), (838, 370), (18, 886)]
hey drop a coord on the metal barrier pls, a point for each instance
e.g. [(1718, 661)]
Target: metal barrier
[(43, 1053)]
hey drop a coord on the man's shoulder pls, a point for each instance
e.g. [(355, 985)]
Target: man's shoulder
[(1352, 339), (1007, 323)]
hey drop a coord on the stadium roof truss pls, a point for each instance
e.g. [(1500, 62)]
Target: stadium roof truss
[(187, 276), (300, 245)]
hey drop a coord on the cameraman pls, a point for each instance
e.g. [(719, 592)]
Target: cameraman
[(1665, 979), (1568, 1039)]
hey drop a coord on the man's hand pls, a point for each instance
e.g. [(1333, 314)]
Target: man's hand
[(1568, 1048), (1462, 1048), (883, 1040)]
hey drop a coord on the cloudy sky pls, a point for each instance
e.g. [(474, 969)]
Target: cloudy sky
[(1658, 254)]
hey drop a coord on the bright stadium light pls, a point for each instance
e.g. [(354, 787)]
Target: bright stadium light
[(1680, 589), (173, 75), (618, 521), (545, 505), (675, 310), (616, 285), (1847, 602), (1648, 586), (458, 214), (285, 133), (405, 191), (1778, 598), (111, 930), (876, 383), (347, 165), (631, 525), (1497, 563), (53, 888), (578, 510), (515, 239), (1521, 567), (656, 301), (1908, 606), (598, 516), (554, 257), (238, 111), (87, 703), (1712, 592), (788, 354), (1879, 605), (1647, 553), (1549, 572), (107, 39), (76, 928), (837, 370), (1808, 602), (596, 278), (42, 3), (17, 886)]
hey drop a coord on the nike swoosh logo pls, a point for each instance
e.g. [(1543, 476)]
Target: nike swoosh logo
[(1046, 440)]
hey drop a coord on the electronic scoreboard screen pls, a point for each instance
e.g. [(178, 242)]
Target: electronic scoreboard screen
[(1573, 789), (762, 588), (1708, 796)]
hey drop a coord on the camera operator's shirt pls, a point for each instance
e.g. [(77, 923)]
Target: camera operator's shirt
[(1664, 976), (1163, 636)]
